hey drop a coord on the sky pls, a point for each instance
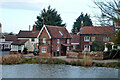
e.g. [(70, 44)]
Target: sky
[(17, 15)]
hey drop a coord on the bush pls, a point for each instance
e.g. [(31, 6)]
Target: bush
[(109, 46), (77, 50), (112, 54), (25, 50), (98, 46)]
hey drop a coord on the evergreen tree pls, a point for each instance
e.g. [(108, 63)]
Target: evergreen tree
[(48, 17), (86, 22)]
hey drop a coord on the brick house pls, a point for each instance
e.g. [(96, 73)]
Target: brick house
[(54, 40), (88, 34), (75, 41)]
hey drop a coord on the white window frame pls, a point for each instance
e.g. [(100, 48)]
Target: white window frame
[(58, 48), (86, 38), (44, 40), (92, 39), (58, 41), (68, 49), (74, 47), (68, 41), (106, 39), (44, 49), (87, 49)]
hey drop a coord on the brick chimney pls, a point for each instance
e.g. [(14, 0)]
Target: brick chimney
[(81, 27), (34, 28)]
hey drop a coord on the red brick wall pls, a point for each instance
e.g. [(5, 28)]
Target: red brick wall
[(97, 37), (47, 44)]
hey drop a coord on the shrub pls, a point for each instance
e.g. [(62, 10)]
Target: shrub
[(12, 59), (25, 50), (87, 61), (109, 46), (98, 46), (77, 50)]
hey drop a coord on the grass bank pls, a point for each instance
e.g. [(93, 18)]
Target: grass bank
[(87, 61)]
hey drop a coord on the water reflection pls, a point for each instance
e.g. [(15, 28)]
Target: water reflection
[(57, 71)]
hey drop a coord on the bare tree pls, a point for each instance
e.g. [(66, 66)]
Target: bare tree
[(110, 11)]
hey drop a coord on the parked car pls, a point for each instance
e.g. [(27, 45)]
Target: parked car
[(36, 52)]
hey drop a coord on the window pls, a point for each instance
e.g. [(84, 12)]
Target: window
[(60, 33), (58, 48), (58, 41), (67, 48), (43, 49), (68, 41), (44, 40), (87, 38), (6, 46), (106, 39), (73, 46), (33, 39), (92, 39), (86, 48)]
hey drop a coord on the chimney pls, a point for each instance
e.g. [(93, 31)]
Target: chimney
[(33, 28), (29, 27), (82, 23), (76, 30), (81, 27)]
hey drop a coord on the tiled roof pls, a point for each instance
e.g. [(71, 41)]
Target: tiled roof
[(10, 37), (58, 32), (96, 30), (75, 38), (28, 34), (1, 35), (19, 42)]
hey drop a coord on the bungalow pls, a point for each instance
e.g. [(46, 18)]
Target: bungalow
[(19, 45), (54, 40)]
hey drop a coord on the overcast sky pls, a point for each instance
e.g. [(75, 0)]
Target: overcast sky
[(17, 15)]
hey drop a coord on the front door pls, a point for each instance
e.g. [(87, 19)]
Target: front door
[(63, 51)]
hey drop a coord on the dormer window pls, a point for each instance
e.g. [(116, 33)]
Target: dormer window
[(60, 33), (44, 40), (68, 41)]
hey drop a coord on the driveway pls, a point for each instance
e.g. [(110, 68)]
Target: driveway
[(4, 53)]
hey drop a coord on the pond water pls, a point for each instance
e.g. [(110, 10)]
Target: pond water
[(56, 71)]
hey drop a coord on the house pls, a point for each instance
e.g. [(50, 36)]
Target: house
[(32, 36), (9, 39), (19, 45), (26, 39), (3, 43), (54, 40), (88, 34), (75, 41)]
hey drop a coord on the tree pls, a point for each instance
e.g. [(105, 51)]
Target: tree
[(48, 17), (97, 46), (111, 12), (86, 22)]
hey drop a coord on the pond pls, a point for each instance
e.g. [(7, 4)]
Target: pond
[(56, 71)]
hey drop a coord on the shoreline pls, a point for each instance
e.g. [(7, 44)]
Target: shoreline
[(18, 59)]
